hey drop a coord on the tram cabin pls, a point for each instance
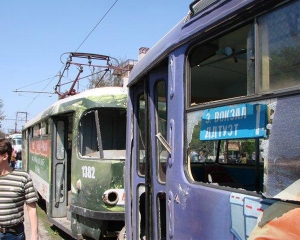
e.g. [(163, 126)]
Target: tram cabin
[(75, 154), (223, 84)]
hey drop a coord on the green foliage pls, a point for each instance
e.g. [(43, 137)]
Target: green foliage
[(197, 145), (248, 146), (105, 78), (46, 229), (210, 147)]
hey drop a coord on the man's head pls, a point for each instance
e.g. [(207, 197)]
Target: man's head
[(5, 148)]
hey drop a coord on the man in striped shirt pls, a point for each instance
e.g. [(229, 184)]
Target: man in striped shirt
[(16, 189)]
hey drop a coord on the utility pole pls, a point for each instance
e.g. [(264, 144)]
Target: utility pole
[(20, 117)]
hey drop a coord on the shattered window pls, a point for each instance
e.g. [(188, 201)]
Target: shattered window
[(102, 134), (268, 164)]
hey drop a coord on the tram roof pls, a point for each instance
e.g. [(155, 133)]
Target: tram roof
[(156, 53), (103, 97), (187, 29)]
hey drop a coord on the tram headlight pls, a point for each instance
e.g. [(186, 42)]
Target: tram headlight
[(113, 197)]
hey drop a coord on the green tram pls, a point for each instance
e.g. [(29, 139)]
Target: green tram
[(75, 154)]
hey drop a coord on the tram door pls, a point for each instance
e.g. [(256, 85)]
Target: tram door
[(148, 165), (138, 166), (59, 166), (158, 128), (156, 176)]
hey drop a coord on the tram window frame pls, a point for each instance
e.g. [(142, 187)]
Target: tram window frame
[(60, 140), (36, 130), (278, 36), (218, 167), (30, 132), (272, 181), (230, 56), (45, 129), (40, 129), (141, 135), (111, 148), (272, 57), (161, 127)]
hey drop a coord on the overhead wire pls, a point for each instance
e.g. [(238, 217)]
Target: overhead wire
[(39, 93), (97, 24), (36, 83), (75, 50)]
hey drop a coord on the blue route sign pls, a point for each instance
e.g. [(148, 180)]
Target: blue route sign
[(234, 122)]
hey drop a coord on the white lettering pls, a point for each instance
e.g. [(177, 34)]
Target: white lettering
[(88, 172), (244, 112), (235, 129), (214, 132), (224, 130), (207, 133), (208, 118), (230, 130), (230, 115)]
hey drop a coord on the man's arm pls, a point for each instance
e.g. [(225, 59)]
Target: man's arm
[(31, 208)]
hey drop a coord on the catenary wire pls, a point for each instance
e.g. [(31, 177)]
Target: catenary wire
[(75, 50)]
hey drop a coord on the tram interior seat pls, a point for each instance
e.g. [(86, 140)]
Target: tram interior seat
[(197, 171), (213, 173), (216, 174)]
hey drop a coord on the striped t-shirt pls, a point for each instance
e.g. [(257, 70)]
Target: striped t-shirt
[(16, 189)]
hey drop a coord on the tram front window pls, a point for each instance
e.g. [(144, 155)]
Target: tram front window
[(108, 125)]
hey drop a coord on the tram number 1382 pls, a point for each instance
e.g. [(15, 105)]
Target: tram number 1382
[(88, 172)]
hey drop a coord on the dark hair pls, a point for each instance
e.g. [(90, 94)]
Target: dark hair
[(5, 147)]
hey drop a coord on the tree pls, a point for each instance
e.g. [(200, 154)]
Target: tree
[(1, 112), (111, 76), (104, 78), (208, 147), (248, 146)]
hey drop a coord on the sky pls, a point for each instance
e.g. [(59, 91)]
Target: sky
[(34, 34)]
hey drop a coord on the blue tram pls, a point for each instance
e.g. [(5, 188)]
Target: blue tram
[(223, 84)]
